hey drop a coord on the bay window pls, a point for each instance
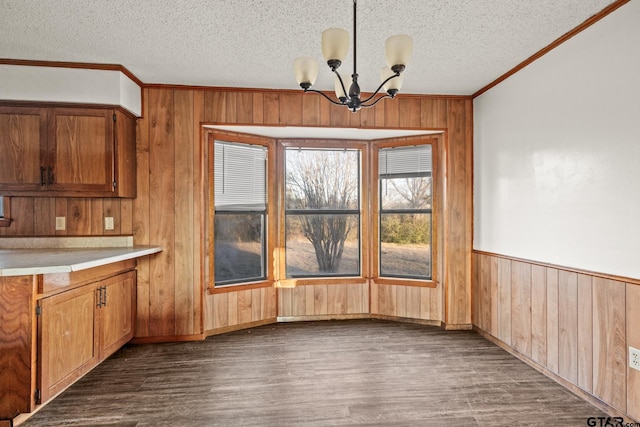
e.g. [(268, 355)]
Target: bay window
[(293, 212)]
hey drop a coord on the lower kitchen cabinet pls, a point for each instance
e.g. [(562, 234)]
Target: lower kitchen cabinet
[(82, 327), (56, 327), (68, 344)]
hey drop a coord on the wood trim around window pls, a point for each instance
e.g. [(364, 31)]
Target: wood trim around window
[(365, 225), (271, 213), (435, 142), (5, 221), (275, 231)]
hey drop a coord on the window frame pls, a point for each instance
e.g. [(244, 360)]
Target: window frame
[(275, 217), (270, 215), (364, 221), (376, 146)]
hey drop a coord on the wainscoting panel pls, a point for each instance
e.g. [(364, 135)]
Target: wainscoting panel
[(407, 302), (575, 324), (228, 311), (317, 300)]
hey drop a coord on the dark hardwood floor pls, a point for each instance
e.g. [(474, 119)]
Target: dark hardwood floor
[(359, 372)]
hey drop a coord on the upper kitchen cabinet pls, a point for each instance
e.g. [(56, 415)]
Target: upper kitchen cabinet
[(23, 136), (60, 151)]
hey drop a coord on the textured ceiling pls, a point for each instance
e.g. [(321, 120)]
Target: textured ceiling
[(459, 45)]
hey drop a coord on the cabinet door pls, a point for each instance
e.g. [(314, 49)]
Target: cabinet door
[(68, 340), (22, 148), (81, 151), (117, 312)]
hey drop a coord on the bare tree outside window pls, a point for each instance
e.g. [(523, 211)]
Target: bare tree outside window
[(322, 212)]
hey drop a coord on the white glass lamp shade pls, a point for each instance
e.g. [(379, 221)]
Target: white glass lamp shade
[(398, 50), (338, 87), (305, 69), (395, 83), (335, 43)]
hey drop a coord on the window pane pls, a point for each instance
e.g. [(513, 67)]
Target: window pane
[(322, 245), (405, 245), (239, 247), (322, 179), (405, 193)]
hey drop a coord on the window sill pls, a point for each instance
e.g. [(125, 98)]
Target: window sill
[(405, 282), (239, 287), (5, 222), (292, 283)]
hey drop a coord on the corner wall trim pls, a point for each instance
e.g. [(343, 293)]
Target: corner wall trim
[(631, 280), (586, 24)]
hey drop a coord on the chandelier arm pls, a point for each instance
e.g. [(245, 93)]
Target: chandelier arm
[(380, 87), (344, 89), (325, 95), (376, 101)]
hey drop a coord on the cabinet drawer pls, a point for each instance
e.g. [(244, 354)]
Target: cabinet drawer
[(57, 282)]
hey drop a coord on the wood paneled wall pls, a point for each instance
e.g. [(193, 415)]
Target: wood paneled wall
[(573, 324), (407, 302), (324, 301), (230, 310), (169, 206), (173, 301), (168, 212), (36, 216)]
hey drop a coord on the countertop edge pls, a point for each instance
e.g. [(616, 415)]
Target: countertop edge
[(139, 252), (135, 252)]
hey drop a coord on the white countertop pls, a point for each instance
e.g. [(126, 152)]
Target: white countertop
[(20, 262)]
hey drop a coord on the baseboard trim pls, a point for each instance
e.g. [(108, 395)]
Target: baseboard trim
[(436, 323), (168, 338), (240, 327), (555, 377), (458, 327), (287, 319)]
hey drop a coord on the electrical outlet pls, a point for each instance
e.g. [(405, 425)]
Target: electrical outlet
[(61, 223), (634, 358), (108, 223)]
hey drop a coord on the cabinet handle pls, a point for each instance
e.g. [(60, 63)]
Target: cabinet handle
[(42, 183), (105, 296), (50, 171), (99, 303)]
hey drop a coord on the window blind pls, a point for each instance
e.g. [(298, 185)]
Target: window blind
[(405, 161), (240, 176)]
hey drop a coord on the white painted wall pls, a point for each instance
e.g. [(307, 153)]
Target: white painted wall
[(56, 84), (557, 154)]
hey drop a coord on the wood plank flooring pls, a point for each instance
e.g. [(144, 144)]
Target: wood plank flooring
[(358, 372)]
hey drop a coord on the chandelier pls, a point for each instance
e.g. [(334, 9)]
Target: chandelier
[(335, 44)]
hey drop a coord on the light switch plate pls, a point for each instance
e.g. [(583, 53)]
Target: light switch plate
[(61, 223), (108, 223)]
